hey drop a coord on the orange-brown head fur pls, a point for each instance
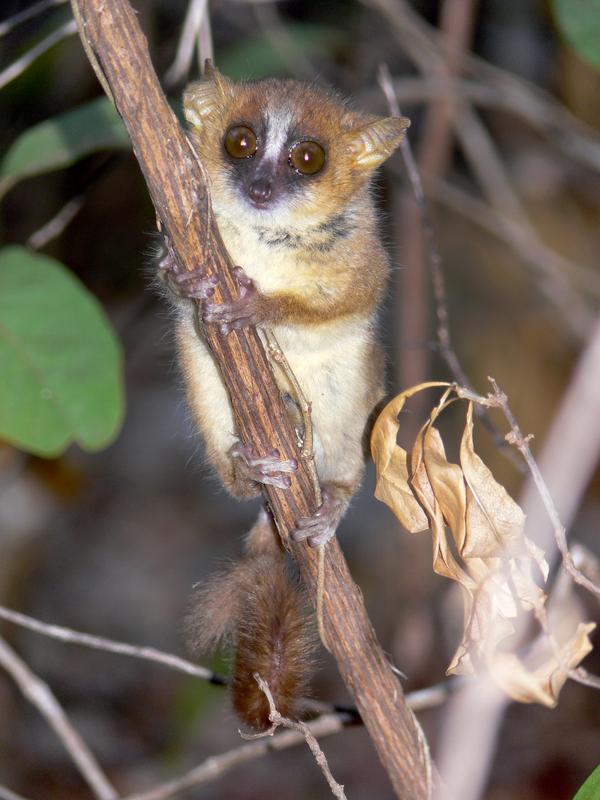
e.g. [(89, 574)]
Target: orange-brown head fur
[(282, 112)]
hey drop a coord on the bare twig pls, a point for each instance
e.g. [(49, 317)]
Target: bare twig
[(34, 10), (331, 721), (457, 18), (109, 645), (54, 227), (180, 68), (589, 439), (418, 700), (539, 258), (277, 720), (38, 693), (326, 725), (433, 253), (268, 17), (568, 458), (434, 259), (507, 93), (6, 794), (20, 65), (424, 50), (216, 766)]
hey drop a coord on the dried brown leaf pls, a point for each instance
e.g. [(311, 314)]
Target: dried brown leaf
[(391, 464), (447, 482), (540, 676), (494, 520), (444, 562), (479, 542)]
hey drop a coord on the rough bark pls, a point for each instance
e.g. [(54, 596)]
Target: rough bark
[(179, 193)]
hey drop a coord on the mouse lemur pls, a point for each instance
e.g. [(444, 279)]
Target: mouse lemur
[(289, 167)]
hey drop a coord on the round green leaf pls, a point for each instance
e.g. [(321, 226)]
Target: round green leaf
[(60, 141), (579, 23), (60, 361), (591, 788)]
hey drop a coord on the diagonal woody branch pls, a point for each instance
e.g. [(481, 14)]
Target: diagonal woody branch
[(178, 190)]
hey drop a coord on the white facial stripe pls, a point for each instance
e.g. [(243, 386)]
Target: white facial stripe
[(278, 125)]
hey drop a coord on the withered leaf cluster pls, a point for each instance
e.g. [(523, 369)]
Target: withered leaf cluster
[(479, 541)]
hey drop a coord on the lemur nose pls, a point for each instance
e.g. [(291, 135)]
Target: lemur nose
[(260, 190)]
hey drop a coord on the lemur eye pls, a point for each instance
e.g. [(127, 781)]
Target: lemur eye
[(240, 142), (307, 158)]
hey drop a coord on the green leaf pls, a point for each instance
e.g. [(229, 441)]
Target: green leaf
[(257, 57), (579, 23), (60, 361), (60, 141), (591, 788)]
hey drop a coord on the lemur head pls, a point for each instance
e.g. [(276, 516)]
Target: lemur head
[(283, 151)]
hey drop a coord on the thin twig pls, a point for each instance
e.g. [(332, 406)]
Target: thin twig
[(425, 51), (505, 92), (215, 766), (55, 226), (20, 65), (433, 252), (418, 700), (326, 725), (577, 138), (473, 718), (180, 68), (456, 21), (40, 695), (522, 444), (109, 645), (268, 17), (277, 720), (6, 794), (538, 257), (34, 10), (434, 259)]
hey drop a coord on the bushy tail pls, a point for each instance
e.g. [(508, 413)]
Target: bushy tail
[(259, 607)]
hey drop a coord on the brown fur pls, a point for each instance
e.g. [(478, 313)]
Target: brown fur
[(259, 609), (319, 270)]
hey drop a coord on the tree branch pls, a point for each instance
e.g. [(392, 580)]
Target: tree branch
[(178, 190), (38, 693)]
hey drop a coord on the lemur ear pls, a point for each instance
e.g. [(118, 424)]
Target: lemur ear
[(200, 99), (372, 144)]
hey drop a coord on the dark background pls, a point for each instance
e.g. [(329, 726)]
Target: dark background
[(111, 543)]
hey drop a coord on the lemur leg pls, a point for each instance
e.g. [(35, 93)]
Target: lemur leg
[(268, 469), (321, 526)]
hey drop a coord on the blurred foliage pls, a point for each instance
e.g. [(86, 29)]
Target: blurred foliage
[(591, 788), (62, 140), (61, 363), (258, 56), (112, 542), (579, 23)]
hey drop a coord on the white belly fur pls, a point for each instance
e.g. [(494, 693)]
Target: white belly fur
[(328, 361)]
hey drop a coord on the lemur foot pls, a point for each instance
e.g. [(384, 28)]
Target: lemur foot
[(189, 285), (321, 526), (269, 469), (238, 313)]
